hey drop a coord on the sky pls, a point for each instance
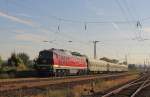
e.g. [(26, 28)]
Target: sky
[(25, 24)]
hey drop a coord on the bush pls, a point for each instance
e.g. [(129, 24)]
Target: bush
[(4, 76), (7, 72), (7, 69), (21, 67)]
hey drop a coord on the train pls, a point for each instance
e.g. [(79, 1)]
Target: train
[(59, 62)]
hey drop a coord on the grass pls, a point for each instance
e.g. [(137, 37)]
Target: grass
[(58, 93), (105, 85), (55, 93), (4, 76), (101, 85), (98, 86)]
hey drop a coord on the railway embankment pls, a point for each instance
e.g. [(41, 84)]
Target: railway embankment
[(76, 87)]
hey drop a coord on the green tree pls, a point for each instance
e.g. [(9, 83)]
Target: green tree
[(109, 60), (1, 61), (105, 59), (115, 61), (132, 66), (124, 62), (25, 58), (14, 60)]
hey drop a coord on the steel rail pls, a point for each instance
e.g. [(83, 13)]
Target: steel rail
[(140, 88), (5, 87), (135, 82), (54, 78)]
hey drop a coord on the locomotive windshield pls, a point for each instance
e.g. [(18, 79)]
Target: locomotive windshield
[(45, 57), (45, 54)]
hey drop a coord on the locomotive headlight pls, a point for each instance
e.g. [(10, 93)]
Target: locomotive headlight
[(56, 65)]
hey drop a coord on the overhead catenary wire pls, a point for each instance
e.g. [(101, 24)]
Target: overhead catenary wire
[(136, 14), (124, 12), (62, 35), (138, 33), (133, 16), (90, 22), (86, 22), (85, 26), (138, 23)]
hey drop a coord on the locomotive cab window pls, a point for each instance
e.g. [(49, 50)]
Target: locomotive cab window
[(45, 57)]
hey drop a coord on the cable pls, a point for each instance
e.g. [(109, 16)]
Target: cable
[(73, 21), (129, 10), (138, 25), (58, 27), (122, 9), (87, 22), (138, 22), (124, 12)]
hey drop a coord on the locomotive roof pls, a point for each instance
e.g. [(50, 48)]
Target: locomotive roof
[(64, 52), (60, 51)]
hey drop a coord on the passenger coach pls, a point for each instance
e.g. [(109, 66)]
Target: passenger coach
[(99, 66)]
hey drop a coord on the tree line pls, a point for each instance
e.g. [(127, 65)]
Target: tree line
[(16, 62), (113, 60)]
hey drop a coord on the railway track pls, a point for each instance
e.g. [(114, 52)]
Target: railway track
[(36, 79), (34, 86), (136, 88)]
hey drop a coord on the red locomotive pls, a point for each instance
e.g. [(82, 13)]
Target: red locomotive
[(61, 62)]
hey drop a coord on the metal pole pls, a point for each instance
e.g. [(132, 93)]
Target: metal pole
[(126, 59), (94, 42)]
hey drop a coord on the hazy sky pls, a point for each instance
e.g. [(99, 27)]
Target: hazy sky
[(25, 24)]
